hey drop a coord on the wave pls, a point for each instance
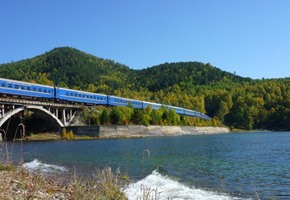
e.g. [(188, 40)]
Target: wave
[(38, 166), (161, 187)]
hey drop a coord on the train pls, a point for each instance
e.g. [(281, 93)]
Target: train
[(53, 93)]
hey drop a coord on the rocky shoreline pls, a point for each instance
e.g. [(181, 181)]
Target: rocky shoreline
[(20, 184), (16, 183)]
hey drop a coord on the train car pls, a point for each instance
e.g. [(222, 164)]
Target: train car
[(26, 90), (120, 101), (194, 113), (203, 116), (155, 106), (178, 110), (190, 112), (80, 96)]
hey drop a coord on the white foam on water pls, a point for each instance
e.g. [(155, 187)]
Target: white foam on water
[(38, 166), (162, 187)]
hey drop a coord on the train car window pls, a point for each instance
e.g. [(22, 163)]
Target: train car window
[(39, 90), (76, 94), (66, 94), (44, 90), (28, 88), (80, 95), (22, 87), (3, 85), (34, 89), (71, 94), (16, 86), (10, 85)]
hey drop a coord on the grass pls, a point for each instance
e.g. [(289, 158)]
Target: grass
[(17, 183), (103, 185), (43, 136)]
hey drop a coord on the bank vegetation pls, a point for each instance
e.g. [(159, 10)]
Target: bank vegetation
[(238, 102)]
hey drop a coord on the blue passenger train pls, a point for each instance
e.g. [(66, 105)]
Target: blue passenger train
[(44, 92)]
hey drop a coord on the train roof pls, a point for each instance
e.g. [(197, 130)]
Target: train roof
[(154, 103), (80, 91), (25, 83), (128, 99), (174, 106)]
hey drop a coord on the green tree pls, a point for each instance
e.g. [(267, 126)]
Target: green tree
[(105, 118), (116, 116), (138, 116)]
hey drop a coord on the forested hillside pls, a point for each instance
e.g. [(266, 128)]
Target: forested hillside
[(227, 98)]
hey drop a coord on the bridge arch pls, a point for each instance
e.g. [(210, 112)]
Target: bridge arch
[(39, 110)]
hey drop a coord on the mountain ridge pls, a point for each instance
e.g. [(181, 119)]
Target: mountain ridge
[(62, 61), (229, 99)]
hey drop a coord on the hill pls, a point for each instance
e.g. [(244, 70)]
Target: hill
[(230, 99), (183, 73), (68, 67)]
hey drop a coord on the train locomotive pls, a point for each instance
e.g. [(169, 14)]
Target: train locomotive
[(44, 92)]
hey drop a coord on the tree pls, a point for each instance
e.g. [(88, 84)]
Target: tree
[(116, 116), (104, 118), (138, 116)]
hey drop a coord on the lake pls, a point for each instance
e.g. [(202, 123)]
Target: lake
[(222, 166)]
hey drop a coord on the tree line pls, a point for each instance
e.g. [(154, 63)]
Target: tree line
[(235, 101), (127, 115)]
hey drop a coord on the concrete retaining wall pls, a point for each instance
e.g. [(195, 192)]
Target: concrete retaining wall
[(143, 131), (92, 131)]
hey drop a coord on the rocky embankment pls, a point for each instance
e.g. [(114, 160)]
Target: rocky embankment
[(144, 131)]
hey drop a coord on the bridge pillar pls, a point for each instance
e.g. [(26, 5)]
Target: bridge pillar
[(63, 117), (2, 111)]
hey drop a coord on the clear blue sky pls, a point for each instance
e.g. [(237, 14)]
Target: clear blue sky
[(248, 37)]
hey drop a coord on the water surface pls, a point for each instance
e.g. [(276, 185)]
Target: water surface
[(240, 165)]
